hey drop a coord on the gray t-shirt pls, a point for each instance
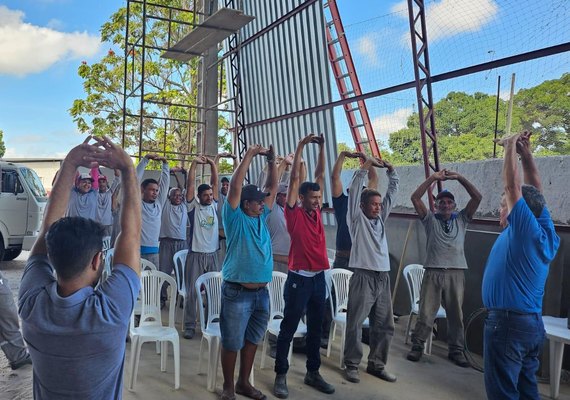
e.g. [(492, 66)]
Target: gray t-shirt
[(105, 200), (83, 204), (152, 212), (77, 343), (174, 221), (444, 246), (280, 239)]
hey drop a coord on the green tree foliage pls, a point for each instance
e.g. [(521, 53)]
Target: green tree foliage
[(166, 81), (465, 124), (2, 145)]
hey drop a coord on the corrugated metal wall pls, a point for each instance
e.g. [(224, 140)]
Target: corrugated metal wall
[(283, 71)]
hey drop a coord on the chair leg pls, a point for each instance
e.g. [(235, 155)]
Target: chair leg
[(342, 339), (213, 363), (176, 351), (138, 346), (163, 355), (134, 340), (290, 355), (331, 336), (264, 351), (408, 328), (427, 348), (201, 354)]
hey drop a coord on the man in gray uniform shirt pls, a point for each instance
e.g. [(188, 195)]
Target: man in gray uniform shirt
[(445, 264), (105, 202), (154, 195), (84, 195), (369, 290), (172, 233)]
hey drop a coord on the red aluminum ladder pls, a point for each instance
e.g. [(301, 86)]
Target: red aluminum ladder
[(347, 82)]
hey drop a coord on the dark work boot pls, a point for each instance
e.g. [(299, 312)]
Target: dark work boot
[(280, 386), (314, 379)]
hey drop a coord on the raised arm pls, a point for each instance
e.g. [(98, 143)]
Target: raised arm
[(336, 183), (164, 181), (272, 180), (127, 245), (372, 178), (320, 168), (173, 172), (236, 183), (116, 181), (476, 197), (79, 156), (191, 179), (95, 176), (393, 185), (213, 177), (511, 177), (530, 171), (294, 179), (416, 198), (141, 166)]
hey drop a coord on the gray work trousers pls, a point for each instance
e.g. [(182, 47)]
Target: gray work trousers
[(196, 265), (11, 340), (445, 287), (369, 296), (166, 250)]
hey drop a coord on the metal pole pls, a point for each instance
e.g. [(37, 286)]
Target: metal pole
[(497, 116)]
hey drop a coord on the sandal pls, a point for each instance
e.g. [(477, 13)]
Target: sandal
[(227, 396), (253, 393)]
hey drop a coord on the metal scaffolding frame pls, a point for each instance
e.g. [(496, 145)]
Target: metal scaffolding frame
[(422, 77), (422, 73)]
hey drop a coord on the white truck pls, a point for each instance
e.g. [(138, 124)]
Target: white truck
[(22, 203)]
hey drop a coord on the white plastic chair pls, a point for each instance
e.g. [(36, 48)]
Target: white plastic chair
[(145, 266), (339, 279), (150, 327), (210, 324), (179, 267), (277, 306), (414, 274)]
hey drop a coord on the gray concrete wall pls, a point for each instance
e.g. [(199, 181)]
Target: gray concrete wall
[(486, 176)]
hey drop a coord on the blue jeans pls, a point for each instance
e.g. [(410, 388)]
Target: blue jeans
[(512, 343), (302, 293), (243, 316)]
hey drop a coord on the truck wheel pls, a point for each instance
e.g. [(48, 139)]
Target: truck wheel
[(11, 254)]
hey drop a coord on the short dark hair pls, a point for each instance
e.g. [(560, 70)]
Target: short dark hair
[(202, 188), (224, 179), (534, 199), (367, 194), (307, 187), (72, 242), (147, 182)]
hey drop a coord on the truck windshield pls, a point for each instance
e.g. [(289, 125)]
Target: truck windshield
[(35, 184)]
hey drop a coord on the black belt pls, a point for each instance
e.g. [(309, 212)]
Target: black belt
[(241, 287)]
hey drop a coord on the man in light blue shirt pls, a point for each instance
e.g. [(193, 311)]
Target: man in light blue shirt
[(514, 279), (75, 333)]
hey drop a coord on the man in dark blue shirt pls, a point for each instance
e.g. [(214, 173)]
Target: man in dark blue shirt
[(514, 279)]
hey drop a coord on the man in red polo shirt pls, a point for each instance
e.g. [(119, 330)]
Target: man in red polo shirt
[(305, 288)]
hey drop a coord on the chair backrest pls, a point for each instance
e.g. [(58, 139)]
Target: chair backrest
[(276, 288), (340, 279), (147, 265), (151, 284), (106, 243), (414, 273), (108, 265), (179, 259), (212, 282)]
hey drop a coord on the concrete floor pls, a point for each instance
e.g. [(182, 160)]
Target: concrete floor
[(434, 377)]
